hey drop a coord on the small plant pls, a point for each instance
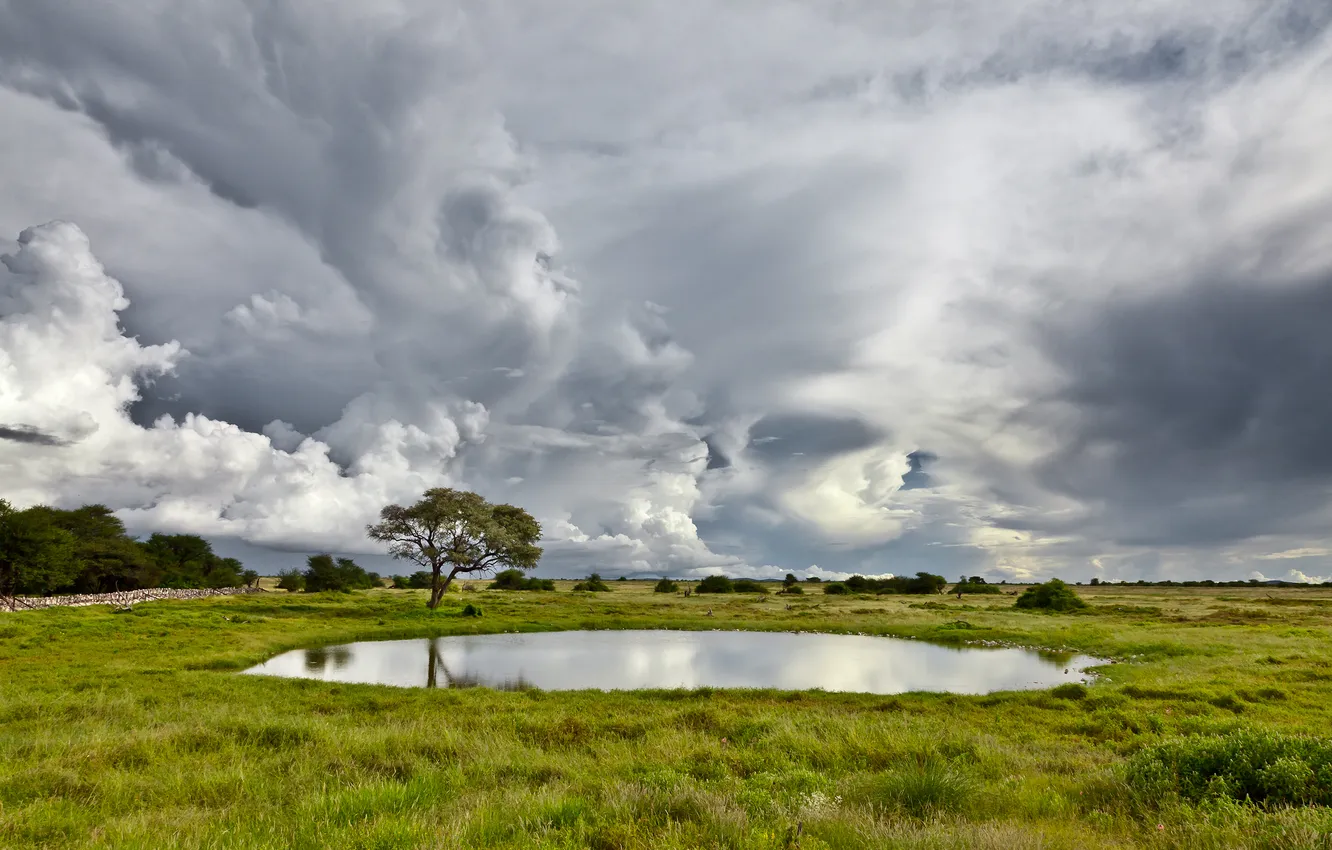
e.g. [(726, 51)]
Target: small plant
[(470, 610), (929, 786), (592, 584), (1053, 595), (665, 586)]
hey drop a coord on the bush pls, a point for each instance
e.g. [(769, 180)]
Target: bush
[(344, 575), (975, 584), (291, 580), (592, 584), (470, 610), (515, 580), (748, 585), (715, 584), (835, 589), (793, 589), (1054, 595), (666, 586), (813, 580), (1263, 766), (923, 583)]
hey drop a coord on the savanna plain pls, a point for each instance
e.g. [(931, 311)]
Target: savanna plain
[(133, 730)]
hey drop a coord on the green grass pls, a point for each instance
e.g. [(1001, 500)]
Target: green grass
[(132, 730)]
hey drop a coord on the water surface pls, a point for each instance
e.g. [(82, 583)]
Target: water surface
[(632, 660)]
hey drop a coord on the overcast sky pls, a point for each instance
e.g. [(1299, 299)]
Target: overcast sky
[(1017, 288)]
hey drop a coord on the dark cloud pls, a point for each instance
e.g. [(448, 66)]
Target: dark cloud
[(1198, 415), (916, 478), (779, 436), (30, 435)]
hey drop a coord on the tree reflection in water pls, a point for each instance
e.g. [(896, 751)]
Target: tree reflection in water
[(435, 666)]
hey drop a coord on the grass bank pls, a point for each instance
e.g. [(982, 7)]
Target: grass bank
[(131, 730)]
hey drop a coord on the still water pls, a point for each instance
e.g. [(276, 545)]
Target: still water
[(630, 660)]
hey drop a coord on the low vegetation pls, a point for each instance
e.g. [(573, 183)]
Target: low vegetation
[(592, 584), (132, 729), (1053, 595), (516, 580), (665, 586)]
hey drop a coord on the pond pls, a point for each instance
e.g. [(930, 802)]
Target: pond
[(633, 660)]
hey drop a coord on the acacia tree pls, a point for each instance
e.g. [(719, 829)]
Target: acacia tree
[(453, 531)]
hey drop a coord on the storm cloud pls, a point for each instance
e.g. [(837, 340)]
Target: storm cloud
[(1003, 287)]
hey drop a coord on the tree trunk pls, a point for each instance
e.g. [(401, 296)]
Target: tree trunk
[(439, 588)]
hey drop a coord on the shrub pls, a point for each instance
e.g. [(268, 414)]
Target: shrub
[(835, 589), (1263, 766), (975, 584), (1054, 595), (922, 583), (793, 589), (748, 585), (291, 580), (593, 584), (715, 584), (470, 610), (666, 586), (343, 575), (515, 580), (813, 580)]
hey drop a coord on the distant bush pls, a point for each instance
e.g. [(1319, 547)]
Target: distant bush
[(291, 580), (715, 584), (1263, 766), (665, 586), (593, 584), (793, 589), (748, 585), (1053, 595), (835, 589), (470, 610), (922, 583), (416, 581), (622, 578), (813, 580), (975, 584), (322, 573), (515, 580)]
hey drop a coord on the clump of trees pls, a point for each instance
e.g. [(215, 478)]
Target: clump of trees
[(515, 580), (791, 585), (1053, 595), (323, 573), (666, 586), (921, 583), (592, 584), (722, 584), (45, 550), (975, 584), (451, 532), (419, 580)]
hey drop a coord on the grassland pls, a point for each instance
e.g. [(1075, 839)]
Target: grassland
[(132, 730)]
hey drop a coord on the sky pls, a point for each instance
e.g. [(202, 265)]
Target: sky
[(1011, 288)]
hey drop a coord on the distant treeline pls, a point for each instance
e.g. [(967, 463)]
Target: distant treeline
[(46, 550), (1252, 582)]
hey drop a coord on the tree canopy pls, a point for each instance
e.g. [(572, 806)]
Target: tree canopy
[(45, 550), (452, 532)]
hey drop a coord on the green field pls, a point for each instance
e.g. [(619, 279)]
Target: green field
[(132, 730)]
